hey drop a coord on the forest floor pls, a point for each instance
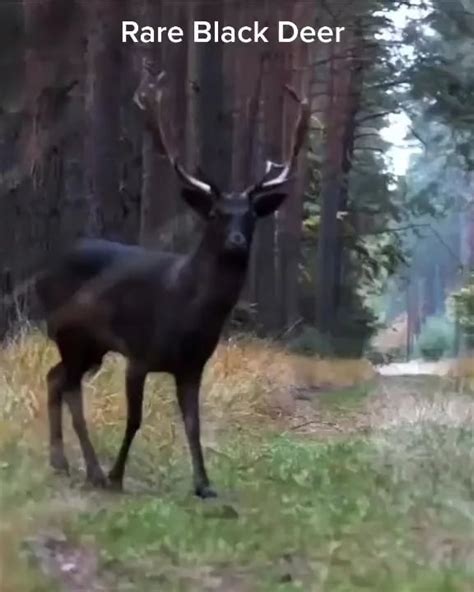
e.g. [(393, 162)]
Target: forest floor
[(348, 482)]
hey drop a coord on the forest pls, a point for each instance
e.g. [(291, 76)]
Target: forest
[(77, 159), (348, 358)]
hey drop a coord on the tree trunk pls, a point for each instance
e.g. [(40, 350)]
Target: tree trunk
[(247, 94), (267, 285), (353, 102), (344, 91), (326, 277), (131, 137), (103, 111), (165, 221), (290, 218), (51, 133), (156, 170), (215, 117)]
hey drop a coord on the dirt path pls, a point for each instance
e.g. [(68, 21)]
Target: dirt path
[(416, 368), (402, 393), (75, 568)]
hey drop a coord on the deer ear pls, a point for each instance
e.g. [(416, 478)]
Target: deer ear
[(266, 204), (201, 202)]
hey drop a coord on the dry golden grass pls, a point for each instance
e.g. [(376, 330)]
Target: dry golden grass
[(245, 380), (425, 438), (462, 372), (251, 381), (271, 363), (399, 405)]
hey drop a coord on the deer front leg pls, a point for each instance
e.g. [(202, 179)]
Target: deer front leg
[(73, 398), (135, 382), (188, 399)]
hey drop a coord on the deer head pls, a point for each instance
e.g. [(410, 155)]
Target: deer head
[(230, 217)]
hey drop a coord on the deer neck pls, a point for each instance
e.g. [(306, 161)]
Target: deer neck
[(218, 277)]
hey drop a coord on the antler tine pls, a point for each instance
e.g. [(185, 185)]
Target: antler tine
[(302, 124), (293, 93), (286, 169), (149, 98), (207, 179), (270, 168)]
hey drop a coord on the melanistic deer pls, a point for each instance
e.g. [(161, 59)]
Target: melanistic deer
[(164, 312)]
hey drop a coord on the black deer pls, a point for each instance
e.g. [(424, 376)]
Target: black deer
[(163, 312)]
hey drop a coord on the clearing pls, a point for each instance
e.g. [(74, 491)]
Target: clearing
[(336, 486)]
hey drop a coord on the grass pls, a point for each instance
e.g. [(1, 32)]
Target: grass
[(384, 508), (307, 516), (462, 374)]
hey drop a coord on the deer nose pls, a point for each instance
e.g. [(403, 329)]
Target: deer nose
[(236, 241)]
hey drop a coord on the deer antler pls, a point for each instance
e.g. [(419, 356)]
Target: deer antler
[(285, 170), (149, 98)]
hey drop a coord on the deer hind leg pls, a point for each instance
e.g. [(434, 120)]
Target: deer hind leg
[(135, 382), (188, 399), (79, 354), (56, 384)]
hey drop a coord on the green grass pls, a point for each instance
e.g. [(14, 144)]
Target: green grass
[(295, 514), (378, 495), (345, 399)]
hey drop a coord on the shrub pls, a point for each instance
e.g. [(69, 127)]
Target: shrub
[(436, 339), (309, 342), (464, 310), (379, 358)]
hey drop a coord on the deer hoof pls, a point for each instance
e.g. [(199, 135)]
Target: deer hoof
[(115, 483), (115, 486), (205, 492), (59, 462), (96, 478)]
